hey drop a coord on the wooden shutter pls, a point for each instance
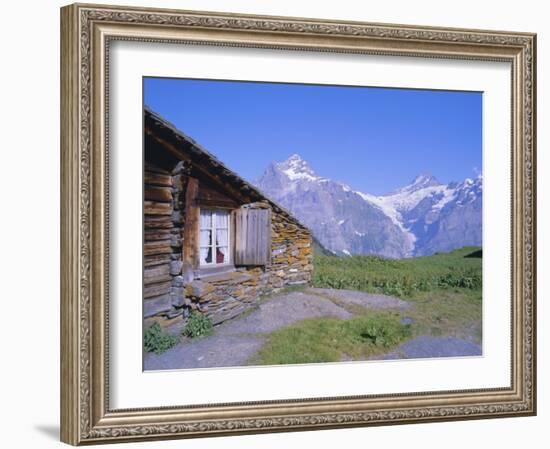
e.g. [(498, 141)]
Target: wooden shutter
[(252, 236)]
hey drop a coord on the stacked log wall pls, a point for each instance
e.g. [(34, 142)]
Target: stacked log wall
[(162, 228)]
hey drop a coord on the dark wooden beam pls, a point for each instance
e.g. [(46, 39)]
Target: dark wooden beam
[(190, 254), (216, 203), (157, 222), (155, 208), (154, 193), (157, 179)]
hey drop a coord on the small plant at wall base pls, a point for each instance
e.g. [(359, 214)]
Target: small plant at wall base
[(157, 341), (199, 325)]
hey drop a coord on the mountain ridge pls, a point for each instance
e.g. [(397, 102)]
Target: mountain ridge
[(421, 218)]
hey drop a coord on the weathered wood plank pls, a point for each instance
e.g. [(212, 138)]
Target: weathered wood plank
[(212, 196), (157, 222), (262, 236), (155, 208), (191, 227), (150, 235), (157, 274), (154, 193), (269, 235), (156, 259), (157, 179), (253, 236), (160, 247), (216, 203), (156, 289), (240, 236), (149, 167)]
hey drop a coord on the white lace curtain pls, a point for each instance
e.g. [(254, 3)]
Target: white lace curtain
[(206, 236), (222, 225), (206, 218), (218, 222)]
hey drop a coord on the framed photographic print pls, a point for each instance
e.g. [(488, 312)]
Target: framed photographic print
[(280, 224)]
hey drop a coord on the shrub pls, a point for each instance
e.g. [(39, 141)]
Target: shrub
[(199, 325), (157, 341), (384, 332)]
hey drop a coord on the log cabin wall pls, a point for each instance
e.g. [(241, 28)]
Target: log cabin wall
[(162, 226)]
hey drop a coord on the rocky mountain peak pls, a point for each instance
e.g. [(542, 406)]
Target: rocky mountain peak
[(421, 181), (296, 168), (295, 159)]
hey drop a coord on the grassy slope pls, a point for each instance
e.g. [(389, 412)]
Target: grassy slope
[(444, 288), (404, 278)]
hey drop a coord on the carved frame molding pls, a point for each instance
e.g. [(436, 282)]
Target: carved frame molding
[(87, 31)]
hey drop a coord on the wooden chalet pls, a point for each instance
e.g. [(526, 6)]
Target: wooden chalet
[(212, 241)]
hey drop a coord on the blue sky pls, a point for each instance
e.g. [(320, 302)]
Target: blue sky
[(374, 139)]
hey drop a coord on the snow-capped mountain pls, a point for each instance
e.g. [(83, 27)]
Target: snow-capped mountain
[(419, 219)]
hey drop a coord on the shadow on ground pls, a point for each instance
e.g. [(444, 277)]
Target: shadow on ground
[(50, 431)]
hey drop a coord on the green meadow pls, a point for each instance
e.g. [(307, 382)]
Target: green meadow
[(444, 290), (458, 270)]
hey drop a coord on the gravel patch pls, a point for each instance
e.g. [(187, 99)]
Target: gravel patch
[(368, 300), (208, 352), (427, 347), (282, 311)]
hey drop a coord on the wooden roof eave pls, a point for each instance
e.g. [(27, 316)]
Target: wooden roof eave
[(182, 146)]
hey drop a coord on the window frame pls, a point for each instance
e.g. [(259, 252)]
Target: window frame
[(213, 229)]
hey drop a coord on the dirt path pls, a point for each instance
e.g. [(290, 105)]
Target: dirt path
[(236, 341)]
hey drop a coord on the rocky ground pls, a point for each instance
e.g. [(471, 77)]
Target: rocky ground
[(238, 340)]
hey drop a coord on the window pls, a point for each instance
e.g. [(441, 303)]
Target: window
[(214, 237)]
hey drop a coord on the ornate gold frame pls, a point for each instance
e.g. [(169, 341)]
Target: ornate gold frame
[(86, 31)]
